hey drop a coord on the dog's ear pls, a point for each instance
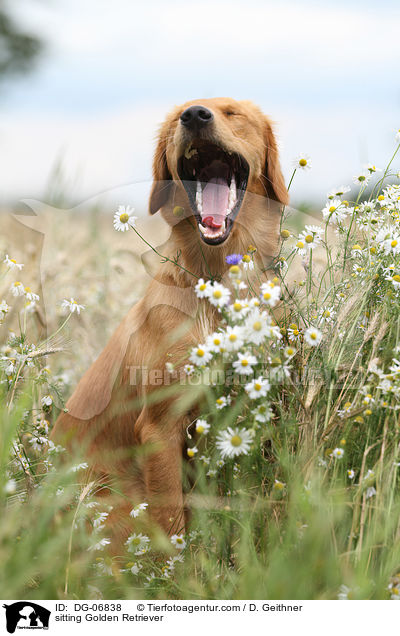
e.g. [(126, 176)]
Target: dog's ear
[(275, 183), (162, 178)]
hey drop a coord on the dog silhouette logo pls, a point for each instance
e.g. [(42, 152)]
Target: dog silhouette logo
[(26, 615)]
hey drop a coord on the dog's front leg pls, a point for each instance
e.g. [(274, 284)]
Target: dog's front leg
[(161, 438)]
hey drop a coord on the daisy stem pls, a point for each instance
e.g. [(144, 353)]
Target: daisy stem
[(362, 189), (165, 258), (58, 330), (380, 182)]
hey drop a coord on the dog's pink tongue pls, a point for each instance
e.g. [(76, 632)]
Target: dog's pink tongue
[(215, 202)]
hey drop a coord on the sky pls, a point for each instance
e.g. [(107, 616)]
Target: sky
[(325, 72)]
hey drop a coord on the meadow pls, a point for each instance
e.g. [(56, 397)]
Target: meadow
[(294, 466)]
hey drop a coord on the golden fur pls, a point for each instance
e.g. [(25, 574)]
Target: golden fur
[(114, 419)]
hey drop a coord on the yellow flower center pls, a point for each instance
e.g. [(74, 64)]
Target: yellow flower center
[(200, 353), (356, 247), (244, 363), (17, 283), (289, 351), (237, 306), (381, 197), (332, 208), (295, 332), (200, 428), (285, 234), (220, 401), (28, 289), (393, 243), (217, 293), (202, 287), (179, 540), (246, 258), (257, 326), (13, 260), (309, 238), (124, 217), (267, 296), (190, 452), (313, 335), (234, 269), (236, 440), (396, 278), (257, 386), (217, 341), (232, 337), (303, 162), (326, 313), (300, 244)]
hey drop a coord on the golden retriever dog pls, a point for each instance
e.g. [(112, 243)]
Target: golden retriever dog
[(218, 184)]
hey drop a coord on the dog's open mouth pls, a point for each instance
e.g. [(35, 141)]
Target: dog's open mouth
[(215, 182)]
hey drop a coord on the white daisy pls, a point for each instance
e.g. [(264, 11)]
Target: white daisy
[(98, 521), (215, 342), (337, 453), (100, 544), (247, 262), (257, 388), (138, 543), (258, 326), (313, 336), (12, 263), (289, 352), (334, 212), (17, 289), (270, 293), (218, 295), (135, 512), (178, 541), (30, 295), (72, 306), (244, 363), (233, 338), (234, 442), (200, 355), (47, 400), (123, 218), (263, 413), (311, 236), (222, 401), (362, 178), (302, 162), (326, 314), (238, 310), (202, 426), (371, 168), (202, 288), (338, 192), (4, 309)]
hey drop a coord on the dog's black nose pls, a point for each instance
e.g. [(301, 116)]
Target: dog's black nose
[(196, 117)]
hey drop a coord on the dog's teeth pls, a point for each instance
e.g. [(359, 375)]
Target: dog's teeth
[(202, 228), (199, 197)]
